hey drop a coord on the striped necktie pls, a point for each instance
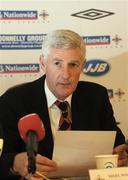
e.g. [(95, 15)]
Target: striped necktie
[(65, 121)]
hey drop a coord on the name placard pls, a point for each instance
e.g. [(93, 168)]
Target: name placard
[(120, 173)]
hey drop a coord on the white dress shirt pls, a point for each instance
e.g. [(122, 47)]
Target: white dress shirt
[(54, 111)]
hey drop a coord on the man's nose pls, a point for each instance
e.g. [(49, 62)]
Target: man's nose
[(66, 72)]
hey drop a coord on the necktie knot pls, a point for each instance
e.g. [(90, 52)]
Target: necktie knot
[(63, 106)]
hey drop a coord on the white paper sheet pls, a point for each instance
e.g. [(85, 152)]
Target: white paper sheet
[(75, 151)]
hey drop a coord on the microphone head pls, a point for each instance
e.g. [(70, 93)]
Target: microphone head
[(31, 122)]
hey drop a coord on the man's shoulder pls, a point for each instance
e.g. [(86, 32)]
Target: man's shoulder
[(92, 87), (90, 92), (89, 84), (26, 87)]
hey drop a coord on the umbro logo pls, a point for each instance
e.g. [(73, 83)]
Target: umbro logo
[(92, 14)]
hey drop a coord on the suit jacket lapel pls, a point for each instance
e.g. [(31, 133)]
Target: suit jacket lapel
[(46, 145)]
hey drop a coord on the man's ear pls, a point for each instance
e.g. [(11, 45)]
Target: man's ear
[(42, 63)]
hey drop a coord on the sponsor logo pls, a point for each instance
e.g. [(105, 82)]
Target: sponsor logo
[(96, 67), (109, 165), (21, 41), (19, 68), (18, 15), (44, 15), (92, 14), (97, 40), (110, 93), (119, 93), (116, 39)]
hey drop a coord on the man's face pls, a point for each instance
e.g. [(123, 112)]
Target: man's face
[(62, 69)]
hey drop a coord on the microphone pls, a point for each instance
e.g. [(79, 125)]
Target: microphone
[(1, 139), (31, 130)]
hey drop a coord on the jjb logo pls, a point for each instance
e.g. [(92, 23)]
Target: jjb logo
[(96, 67)]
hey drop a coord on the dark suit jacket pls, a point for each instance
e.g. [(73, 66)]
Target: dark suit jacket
[(90, 108)]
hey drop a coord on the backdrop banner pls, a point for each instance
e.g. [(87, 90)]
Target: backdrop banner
[(102, 24)]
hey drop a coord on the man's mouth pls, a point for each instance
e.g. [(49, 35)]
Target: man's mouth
[(65, 84)]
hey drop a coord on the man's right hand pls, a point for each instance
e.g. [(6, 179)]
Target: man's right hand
[(43, 165)]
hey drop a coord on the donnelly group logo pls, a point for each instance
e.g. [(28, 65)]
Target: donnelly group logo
[(21, 41), (18, 15)]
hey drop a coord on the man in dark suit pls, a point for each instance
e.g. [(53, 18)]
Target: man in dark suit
[(62, 62)]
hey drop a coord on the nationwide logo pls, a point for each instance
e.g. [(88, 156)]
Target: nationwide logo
[(92, 14), (119, 93), (44, 15), (18, 15), (96, 67), (21, 41), (97, 40), (110, 93), (19, 68), (117, 39)]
